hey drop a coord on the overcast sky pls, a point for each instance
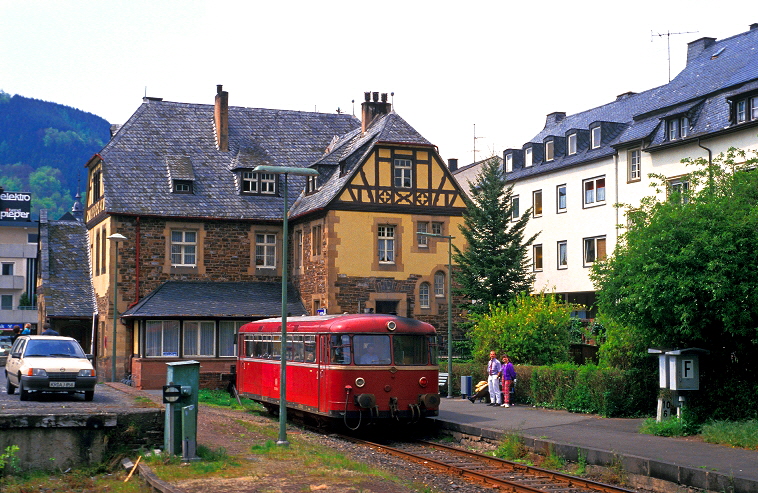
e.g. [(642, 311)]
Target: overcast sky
[(501, 66)]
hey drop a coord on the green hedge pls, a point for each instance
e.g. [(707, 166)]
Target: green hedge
[(585, 389)]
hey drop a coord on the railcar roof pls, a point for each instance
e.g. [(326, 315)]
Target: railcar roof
[(345, 322)]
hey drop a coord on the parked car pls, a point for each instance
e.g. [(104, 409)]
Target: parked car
[(49, 364), (5, 347)]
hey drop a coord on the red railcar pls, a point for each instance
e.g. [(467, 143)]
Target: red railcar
[(355, 368)]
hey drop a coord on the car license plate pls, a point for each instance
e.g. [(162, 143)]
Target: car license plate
[(62, 384)]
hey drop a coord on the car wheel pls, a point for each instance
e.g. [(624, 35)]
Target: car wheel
[(11, 387), (23, 394), (89, 395)]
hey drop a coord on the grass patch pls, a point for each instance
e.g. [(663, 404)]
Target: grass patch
[(86, 479), (672, 427), (145, 402), (553, 461), (743, 434), (512, 448), (221, 398)]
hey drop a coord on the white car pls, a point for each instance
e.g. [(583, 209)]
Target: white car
[(49, 364)]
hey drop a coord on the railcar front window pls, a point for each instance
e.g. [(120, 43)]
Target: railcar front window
[(372, 349), (410, 350), (434, 348), (339, 347)]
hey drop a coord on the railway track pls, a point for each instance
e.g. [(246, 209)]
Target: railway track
[(491, 471)]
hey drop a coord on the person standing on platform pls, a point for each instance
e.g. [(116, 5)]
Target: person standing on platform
[(493, 379), (509, 375)]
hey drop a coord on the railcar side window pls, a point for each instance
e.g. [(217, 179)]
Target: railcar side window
[(410, 349), (295, 348), (372, 349), (276, 347), (310, 349), (249, 351), (339, 346)]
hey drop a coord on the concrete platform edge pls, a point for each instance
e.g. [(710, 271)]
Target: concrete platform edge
[(680, 475)]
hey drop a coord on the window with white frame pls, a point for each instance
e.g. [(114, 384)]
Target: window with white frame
[(594, 191), (183, 248), (403, 173), (537, 203), (753, 108), (571, 144), (562, 255), (439, 284), (264, 183), (634, 158), (527, 157), (436, 228), (227, 336), (560, 198), (549, 150), (182, 186), (745, 109), (423, 295), (677, 190), (7, 268), (595, 137), (537, 257), (265, 250), (514, 208), (508, 163), (199, 338), (677, 128), (422, 227), (386, 244), (594, 250), (311, 184), (162, 338)]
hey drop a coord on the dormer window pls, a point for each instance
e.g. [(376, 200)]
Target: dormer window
[(549, 150), (677, 128), (182, 186), (571, 144), (312, 184), (258, 183), (744, 110), (595, 137), (528, 157), (508, 163)]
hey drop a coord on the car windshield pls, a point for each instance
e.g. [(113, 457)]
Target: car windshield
[(58, 349)]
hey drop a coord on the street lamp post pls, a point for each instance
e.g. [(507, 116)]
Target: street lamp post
[(449, 308), (116, 238), (284, 170)]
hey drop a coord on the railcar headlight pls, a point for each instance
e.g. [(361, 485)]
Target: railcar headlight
[(86, 373), (360, 382), (36, 372)]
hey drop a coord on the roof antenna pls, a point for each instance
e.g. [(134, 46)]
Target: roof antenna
[(668, 43), (475, 139), (353, 101), (392, 94)]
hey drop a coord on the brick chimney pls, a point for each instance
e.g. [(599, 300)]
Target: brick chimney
[(371, 109), (221, 119)]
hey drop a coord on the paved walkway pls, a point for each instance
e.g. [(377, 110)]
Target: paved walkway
[(684, 461)]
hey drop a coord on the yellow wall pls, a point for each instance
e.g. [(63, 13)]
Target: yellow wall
[(357, 256)]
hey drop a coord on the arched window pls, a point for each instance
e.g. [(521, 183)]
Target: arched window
[(439, 284), (423, 295)]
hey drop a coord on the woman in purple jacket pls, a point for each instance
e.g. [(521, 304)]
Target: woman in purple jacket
[(509, 375)]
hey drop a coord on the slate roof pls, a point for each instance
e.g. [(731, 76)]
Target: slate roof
[(353, 149), (165, 140), (252, 300), (699, 91), (67, 284)]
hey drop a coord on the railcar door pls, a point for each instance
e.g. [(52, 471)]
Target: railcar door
[(323, 361)]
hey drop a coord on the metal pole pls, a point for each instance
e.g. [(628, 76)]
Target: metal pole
[(115, 314), (283, 362), (449, 317)]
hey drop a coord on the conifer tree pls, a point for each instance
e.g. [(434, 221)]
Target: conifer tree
[(494, 268)]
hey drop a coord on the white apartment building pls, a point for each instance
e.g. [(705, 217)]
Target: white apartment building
[(573, 172)]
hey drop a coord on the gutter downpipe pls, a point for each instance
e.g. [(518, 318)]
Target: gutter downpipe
[(616, 166), (710, 162)]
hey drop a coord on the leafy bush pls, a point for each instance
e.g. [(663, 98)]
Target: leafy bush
[(531, 329)]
